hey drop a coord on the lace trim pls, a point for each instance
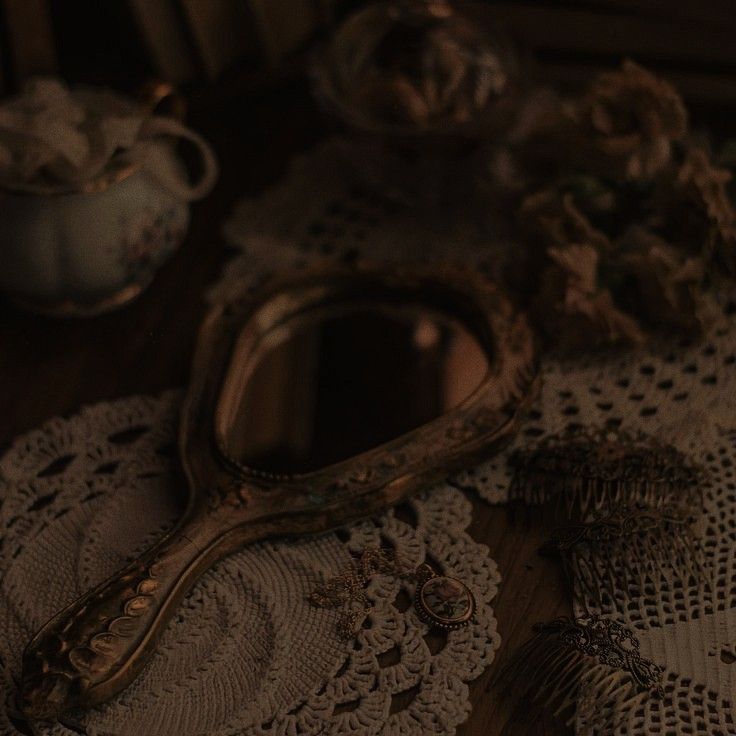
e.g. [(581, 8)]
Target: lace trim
[(247, 653)]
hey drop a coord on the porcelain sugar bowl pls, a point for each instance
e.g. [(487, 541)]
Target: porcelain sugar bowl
[(93, 196)]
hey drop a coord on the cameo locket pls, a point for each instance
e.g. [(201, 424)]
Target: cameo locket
[(443, 601)]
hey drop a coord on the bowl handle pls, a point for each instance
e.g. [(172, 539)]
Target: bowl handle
[(157, 158), (166, 113), (162, 98)]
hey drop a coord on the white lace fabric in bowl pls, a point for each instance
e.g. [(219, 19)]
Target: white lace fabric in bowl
[(246, 653)]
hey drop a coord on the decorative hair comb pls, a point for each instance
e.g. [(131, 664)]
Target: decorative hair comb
[(626, 547), (578, 473), (568, 656)]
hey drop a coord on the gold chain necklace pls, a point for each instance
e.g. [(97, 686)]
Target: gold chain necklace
[(439, 600)]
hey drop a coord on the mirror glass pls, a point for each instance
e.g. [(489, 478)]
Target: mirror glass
[(331, 383)]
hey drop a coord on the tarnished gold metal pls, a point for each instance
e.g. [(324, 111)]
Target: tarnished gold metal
[(444, 601), (587, 470), (96, 646), (439, 600)]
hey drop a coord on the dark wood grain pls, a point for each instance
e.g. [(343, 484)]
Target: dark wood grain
[(532, 590), (50, 367)]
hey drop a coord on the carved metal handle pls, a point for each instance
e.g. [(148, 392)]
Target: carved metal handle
[(98, 644)]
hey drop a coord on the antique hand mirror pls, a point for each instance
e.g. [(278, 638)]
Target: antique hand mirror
[(319, 399)]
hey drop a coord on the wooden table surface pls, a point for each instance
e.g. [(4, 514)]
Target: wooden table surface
[(53, 367)]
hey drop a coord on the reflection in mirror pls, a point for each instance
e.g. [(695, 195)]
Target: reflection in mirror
[(329, 384)]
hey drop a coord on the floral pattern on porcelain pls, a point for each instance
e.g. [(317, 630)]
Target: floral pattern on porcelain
[(446, 600), (150, 238), (77, 251)]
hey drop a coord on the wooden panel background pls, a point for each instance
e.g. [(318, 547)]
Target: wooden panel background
[(693, 43)]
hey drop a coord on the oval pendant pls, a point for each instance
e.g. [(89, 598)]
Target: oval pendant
[(445, 602)]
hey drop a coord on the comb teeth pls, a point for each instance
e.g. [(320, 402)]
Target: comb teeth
[(575, 475), (625, 549), (566, 657)]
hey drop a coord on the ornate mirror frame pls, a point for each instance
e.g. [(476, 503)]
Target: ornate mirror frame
[(98, 644), (380, 477)]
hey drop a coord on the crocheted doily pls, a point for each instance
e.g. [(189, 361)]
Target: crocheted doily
[(246, 653), (345, 201), (683, 394)]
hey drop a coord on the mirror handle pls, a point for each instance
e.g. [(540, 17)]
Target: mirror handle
[(98, 644)]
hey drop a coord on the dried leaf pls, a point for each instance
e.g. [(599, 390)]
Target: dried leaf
[(704, 187)]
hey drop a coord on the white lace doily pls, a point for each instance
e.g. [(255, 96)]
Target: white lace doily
[(246, 654), (683, 394), (670, 392), (343, 201)]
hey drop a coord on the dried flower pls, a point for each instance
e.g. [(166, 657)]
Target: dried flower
[(708, 208), (573, 310), (555, 214), (632, 118), (41, 127), (661, 283), (570, 307), (636, 223)]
